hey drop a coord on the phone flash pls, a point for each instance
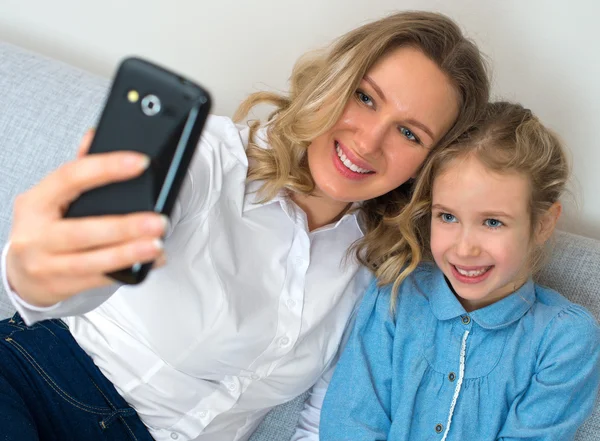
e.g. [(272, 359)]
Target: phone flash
[(133, 96)]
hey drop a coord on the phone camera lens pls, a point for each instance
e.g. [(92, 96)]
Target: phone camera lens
[(151, 105)]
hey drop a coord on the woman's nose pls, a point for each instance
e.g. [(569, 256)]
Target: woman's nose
[(371, 137)]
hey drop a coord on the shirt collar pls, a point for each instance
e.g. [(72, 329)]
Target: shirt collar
[(252, 201), (443, 302), (445, 305), (252, 197)]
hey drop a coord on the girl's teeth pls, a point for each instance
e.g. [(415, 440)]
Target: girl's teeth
[(355, 168), (474, 273)]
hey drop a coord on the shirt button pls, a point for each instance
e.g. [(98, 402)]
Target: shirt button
[(202, 414), (254, 377), (439, 428), (291, 303), (466, 319), (174, 435), (451, 376), (284, 341), (231, 386), (299, 261)]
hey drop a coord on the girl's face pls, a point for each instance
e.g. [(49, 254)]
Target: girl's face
[(480, 231), (403, 106)]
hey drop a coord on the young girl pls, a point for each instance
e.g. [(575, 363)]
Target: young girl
[(472, 348), (249, 310)]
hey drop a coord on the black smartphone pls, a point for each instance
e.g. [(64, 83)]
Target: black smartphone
[(154, 111)]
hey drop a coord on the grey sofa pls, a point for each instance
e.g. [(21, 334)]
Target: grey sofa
[(46, 106)]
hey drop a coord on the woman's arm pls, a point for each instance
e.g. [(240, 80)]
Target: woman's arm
[(66, 293), (564, 388), (308, 423), (81, 303)]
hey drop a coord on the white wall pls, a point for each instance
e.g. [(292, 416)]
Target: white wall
[(543, 52)]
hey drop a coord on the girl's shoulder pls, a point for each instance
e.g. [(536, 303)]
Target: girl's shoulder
[(558, 316), (421, 280), (412, 294), (553, 304)]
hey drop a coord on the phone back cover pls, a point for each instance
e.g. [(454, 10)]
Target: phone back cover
[(123, 126)]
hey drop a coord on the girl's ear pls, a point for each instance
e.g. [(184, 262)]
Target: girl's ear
[(547, 223)]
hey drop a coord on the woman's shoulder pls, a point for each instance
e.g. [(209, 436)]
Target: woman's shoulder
[(220, 157), (222, 137)]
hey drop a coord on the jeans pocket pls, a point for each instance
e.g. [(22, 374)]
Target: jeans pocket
[(49, 381), (59, 382)]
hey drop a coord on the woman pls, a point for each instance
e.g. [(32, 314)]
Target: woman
[(250, 310)]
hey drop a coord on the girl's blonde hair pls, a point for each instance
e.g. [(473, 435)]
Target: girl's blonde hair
[(322, 82), (508, 139)]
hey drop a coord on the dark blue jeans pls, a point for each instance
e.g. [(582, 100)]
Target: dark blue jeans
[(50, 390)]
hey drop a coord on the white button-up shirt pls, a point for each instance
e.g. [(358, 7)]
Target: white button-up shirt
[(248, 312)]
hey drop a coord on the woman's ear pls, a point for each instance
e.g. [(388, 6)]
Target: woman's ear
[(547, 223)]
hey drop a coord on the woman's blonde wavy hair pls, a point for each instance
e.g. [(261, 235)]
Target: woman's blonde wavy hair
[(508, 139), (321, 84)]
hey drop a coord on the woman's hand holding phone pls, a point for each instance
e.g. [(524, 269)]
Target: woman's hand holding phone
[(52, 258)]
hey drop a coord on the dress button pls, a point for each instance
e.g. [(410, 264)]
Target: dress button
[(439, 428), (299, 261), (466, 319), (202, 414), (174, 435), (451, 376), (284, 341), (231, 386), (291, 303)]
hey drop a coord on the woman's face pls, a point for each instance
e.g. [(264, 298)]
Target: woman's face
[(403, 106)]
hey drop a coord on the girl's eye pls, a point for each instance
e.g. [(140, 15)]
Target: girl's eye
[(493, 223), (364, 98), (447, 217), (408, 134)]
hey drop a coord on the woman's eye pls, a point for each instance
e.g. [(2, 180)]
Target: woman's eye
[(493, 223), (448, 218), (364, 98), (408, 134)]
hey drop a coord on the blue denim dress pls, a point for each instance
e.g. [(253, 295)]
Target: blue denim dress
[(526, 367)]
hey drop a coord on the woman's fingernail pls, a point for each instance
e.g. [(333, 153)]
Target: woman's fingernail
[(137, 160), (165, 220), (145, 162), (158, 244)]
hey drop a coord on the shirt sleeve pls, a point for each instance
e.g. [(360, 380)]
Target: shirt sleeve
[(564, 388), (308, 422), (200, 178), (78, 304), (357, 403)]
